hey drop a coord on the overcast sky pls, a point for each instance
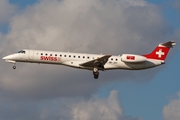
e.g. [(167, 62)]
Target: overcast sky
[(43, 92)]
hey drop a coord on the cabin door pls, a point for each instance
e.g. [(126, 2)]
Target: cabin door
[(31, 54)]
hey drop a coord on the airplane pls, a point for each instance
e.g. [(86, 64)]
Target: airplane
[(94, 62)]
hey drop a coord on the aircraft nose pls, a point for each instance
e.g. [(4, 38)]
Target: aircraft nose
[(6, 57)]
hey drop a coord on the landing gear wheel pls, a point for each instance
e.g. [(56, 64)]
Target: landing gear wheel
[(14, 67), (96, 76)]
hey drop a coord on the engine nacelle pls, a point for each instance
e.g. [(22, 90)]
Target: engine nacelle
[(131, 58)]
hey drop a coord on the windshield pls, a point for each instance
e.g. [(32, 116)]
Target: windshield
[(22, 51)]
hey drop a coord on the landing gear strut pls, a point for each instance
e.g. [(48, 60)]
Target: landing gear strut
[(95, 73), (14, 67)]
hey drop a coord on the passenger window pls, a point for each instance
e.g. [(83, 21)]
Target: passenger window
[(74, 56), (60, 55), (87, 57), (50, 54), (116, 59), (55, 54), (69, 55), (111, 58), (83, 56), (78, 56), (64, 55), (46, 54), (41, 53)]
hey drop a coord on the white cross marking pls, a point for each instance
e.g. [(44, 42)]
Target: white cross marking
[(160, 53)]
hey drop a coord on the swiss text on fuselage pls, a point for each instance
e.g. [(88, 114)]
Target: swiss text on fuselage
[(48, 58)]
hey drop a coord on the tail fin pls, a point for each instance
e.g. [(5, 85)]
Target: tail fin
[(161, 51)]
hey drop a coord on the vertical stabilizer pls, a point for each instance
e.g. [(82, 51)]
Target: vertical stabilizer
[(161, 51)]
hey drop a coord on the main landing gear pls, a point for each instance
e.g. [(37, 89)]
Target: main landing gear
[(95, 73)]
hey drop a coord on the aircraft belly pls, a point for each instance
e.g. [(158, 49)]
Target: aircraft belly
[(153, 63), (74, 64), (124, 65), (136, 66)]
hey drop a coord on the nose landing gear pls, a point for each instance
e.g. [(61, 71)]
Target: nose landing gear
[(14, 67)]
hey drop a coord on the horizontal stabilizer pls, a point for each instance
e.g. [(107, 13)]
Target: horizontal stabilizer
[(169, 44)]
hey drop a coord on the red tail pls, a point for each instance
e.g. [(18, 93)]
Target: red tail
[(161, 51)]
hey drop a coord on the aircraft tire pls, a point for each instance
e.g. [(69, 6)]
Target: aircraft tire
[(14, 67), (96, 76)]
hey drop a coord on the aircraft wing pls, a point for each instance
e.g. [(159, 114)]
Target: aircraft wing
[(99, 62)]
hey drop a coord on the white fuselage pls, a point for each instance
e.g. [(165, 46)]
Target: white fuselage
[(75, 59)]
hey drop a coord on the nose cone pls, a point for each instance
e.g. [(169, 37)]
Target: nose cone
[(4, 58), (12, 57), (7, 57)]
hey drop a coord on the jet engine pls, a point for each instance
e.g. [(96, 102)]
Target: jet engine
[(131, 58)]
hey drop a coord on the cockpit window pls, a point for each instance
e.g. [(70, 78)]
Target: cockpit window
[(22, 51)]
